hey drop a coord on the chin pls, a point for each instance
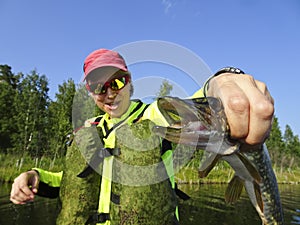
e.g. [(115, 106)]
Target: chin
[(115, 114)]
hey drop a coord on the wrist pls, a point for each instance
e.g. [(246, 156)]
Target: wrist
[(33, 172), (232, 70)]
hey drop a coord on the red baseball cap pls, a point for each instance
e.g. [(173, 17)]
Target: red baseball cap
[(102, 58)]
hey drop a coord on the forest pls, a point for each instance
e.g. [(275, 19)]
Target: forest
[(34, 129)]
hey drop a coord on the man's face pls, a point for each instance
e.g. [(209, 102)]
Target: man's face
[(110, 89)]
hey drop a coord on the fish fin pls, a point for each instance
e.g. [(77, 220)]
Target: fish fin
[(258, 196), (234, 190), (252, 170), (208, 163)]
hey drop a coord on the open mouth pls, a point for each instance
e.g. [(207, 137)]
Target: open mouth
[(112, 106)]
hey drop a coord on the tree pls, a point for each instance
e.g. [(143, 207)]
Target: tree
[(31, 119), (292, 145), (60, 118), (288, 139), (8, 77), (8, 90), (83, 107), (275, 142), (165, 89)]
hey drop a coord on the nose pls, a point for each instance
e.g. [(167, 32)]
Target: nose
[(111, 93)]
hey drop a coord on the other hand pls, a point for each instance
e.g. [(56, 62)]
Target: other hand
[(24, 188)]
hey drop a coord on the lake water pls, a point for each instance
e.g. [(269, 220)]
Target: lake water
[(206, 206)]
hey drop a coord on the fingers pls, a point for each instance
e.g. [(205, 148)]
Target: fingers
[(261, 113), (248, 106), (21, 192), (34, 183)]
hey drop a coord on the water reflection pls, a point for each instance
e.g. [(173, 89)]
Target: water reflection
[(206, 206), (296, 219), (42, 211)]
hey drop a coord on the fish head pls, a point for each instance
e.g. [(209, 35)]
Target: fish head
[(199, 122)]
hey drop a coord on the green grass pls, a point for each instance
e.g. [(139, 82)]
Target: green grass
[(13, 165), (223, 174)]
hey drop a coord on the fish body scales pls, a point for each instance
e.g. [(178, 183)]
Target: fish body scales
[(269, 189)]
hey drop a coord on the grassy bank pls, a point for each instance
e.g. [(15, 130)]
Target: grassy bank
[(12, 165), (223, 174)]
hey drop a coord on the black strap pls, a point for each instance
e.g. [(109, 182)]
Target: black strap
[(139, 105), (175, 221), (99, 155), (97, 120), (45, 190), (98, 158), (102, 217), (105, 128), (115, 198), (97, 218), (181, 194), (141, 114), (165, 146)]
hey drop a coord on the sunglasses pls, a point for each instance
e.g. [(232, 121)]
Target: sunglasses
[(115, 84)]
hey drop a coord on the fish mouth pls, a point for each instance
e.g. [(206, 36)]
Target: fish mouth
[(197, 122), (192, 134)]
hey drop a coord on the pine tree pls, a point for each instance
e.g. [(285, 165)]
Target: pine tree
[(292, 146), (275, 142), (8, 90), (165, 89), (60, 118)]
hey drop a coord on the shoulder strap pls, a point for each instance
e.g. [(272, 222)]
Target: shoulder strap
[(102, 153), (138, 106)]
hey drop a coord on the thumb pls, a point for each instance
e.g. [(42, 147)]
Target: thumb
[(35, 183)]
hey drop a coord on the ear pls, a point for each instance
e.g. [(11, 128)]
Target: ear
[(131, 88)]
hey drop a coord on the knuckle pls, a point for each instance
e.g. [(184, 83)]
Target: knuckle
[(253, 141), (238, 104), (264, 109)]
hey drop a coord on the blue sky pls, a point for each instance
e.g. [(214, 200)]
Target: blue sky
[(262, 37)]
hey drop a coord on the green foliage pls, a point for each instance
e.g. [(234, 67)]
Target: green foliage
[(31, 118), (9, 85), (83, 107), (30, 122), (12, 165), (165, 89), (60, 118), (284, 149)]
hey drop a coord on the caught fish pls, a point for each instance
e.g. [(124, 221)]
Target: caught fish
[(202, 123), (199, 122)]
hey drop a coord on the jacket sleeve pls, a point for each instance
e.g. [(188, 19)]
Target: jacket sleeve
[(49, 183), (199, 93), (153, 113)]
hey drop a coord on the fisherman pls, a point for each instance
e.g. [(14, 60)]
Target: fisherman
[(89, 198)]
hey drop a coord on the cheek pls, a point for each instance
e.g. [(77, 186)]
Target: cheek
[(98, 101), (127, 91)]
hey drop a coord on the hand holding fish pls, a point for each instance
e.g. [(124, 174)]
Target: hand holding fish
[(248, 106), (202, 123)]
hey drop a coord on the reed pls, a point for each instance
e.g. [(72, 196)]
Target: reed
[(13, 165)]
